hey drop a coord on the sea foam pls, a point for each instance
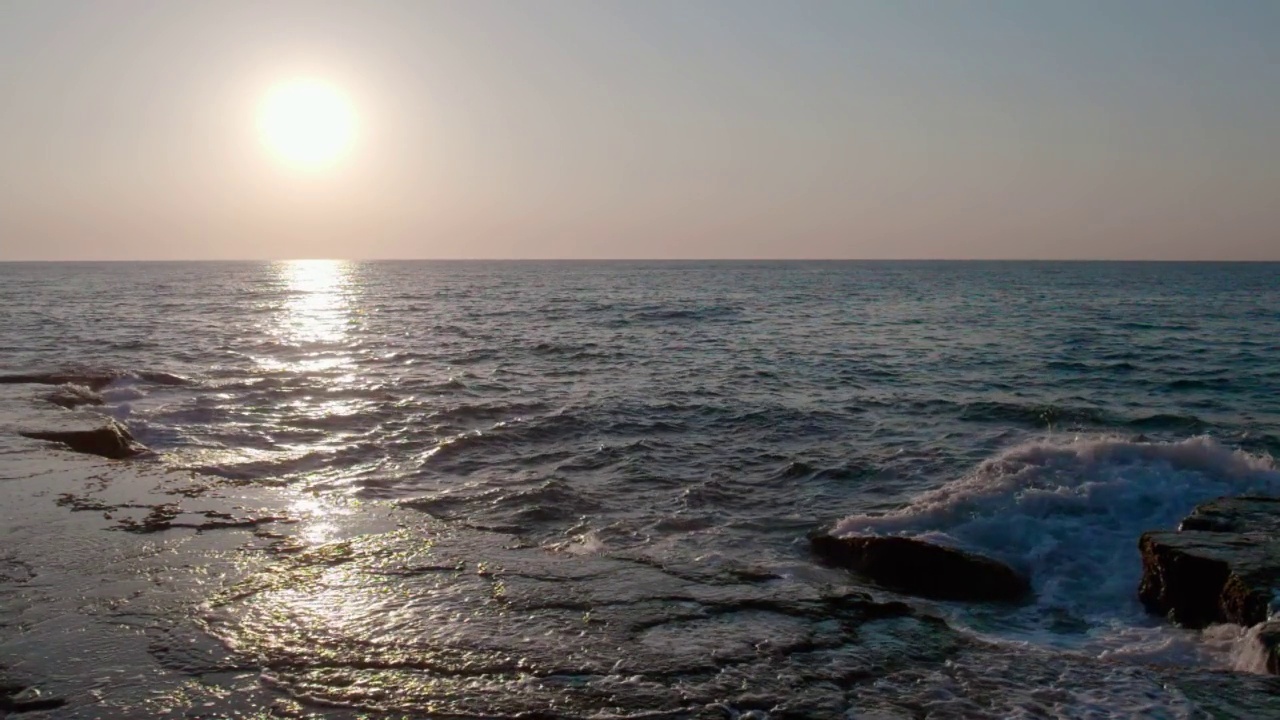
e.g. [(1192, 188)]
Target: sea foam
[(1069, 513)]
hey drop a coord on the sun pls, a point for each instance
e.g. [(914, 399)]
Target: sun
[(308, 123)]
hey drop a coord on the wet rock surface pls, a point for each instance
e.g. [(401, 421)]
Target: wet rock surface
[(130, 590), (17, 697), (1221, 566), (439, 621), (25, 412), (389, 613), (109, 440), (920, 568), (92, 380), (504, 632)]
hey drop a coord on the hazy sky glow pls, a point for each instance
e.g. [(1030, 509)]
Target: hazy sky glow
[(648, 129)]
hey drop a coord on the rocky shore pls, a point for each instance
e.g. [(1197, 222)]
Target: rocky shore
[(919, 568), (130, 590), (1222, 565), (58, 416)]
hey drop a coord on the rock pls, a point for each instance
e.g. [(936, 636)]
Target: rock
[(1268, 647), (73, 396), (686, 643), (93, 381), (1258, 649), (919, 568), (17, 698), (111, 440), (1237, 514), (1221, 566)]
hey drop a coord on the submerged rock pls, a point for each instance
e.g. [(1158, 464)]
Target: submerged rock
[(110, 440), (1221, 566), (481, 629), (919, 568)]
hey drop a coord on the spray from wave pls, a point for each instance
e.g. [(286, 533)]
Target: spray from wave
[(1069, 514)]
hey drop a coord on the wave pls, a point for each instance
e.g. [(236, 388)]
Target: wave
[(162, 378), (492, 411), (1166, 421), (502, 442), (1047, 415), (800, 470), (516, 509), (276, 466), (94, 379), (1030, 414), (73, 396), (666, 314), (1091, 367), (1069, 513), (1213, 383)]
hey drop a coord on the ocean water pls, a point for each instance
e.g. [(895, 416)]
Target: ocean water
[(712, 414)]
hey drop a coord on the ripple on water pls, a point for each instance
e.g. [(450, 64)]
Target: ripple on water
[(690, 412)]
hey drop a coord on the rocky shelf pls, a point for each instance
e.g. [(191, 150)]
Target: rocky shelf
[(108, 439), (1222, 565), (58, 418)]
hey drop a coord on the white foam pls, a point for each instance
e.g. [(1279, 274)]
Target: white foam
[(1246, 652), (1069, 513), (113, 394)]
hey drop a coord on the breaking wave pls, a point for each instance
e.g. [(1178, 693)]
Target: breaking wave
[(1069, 514)]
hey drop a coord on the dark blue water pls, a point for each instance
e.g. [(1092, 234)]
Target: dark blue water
[(724, 408)]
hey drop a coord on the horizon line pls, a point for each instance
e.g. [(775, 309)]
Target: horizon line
[(635, 260)]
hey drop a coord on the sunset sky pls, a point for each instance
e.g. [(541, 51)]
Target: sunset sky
[(692, 129)]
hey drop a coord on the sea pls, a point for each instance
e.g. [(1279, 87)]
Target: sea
[(584, 489)]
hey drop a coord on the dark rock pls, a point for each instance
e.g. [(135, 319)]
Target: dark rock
[(919, 568), (93, 381), (1238, 515), (15, 698), (111, 440), (73, 396), (1221, 566)]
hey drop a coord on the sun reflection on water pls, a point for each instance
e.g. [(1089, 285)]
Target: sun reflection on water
[(318, 518), (318, 308)]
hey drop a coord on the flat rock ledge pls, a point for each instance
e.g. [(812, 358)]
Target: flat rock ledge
[(1222, 565), (109, 440), (91, 380), (916, 567)]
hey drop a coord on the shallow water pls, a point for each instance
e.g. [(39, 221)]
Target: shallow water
[(696, 417)]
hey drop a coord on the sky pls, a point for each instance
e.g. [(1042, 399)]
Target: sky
[(1090, 129)]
